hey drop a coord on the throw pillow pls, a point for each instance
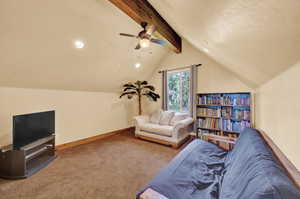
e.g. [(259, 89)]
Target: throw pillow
[(178, 117), (166, 117), (155, 117)]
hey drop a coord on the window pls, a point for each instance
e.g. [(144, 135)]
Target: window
[(178, 91)]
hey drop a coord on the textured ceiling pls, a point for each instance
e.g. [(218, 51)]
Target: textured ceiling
[(37, 46), (256, 40)]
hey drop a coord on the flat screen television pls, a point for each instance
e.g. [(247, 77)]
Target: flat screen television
[(32, 127)]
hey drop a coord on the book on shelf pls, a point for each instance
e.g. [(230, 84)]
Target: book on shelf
[(226, 112), (209, 123), (203, 131), (225, 99), (236, 100), (237, 126), (209, 112), (241, 114), (209, 99)]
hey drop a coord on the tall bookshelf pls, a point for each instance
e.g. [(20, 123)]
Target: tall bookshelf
[(224, 114)]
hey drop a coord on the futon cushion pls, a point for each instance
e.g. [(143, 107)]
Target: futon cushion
[(178, 117), (155, 117), (166, 117), (157, 129), (195, 173), (252, 172)]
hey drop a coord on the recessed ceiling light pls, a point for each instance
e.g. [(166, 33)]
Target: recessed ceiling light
[(137, 65), (205, 50), (79, 44)]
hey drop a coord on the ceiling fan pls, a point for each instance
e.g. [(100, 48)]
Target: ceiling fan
[(145, 36)]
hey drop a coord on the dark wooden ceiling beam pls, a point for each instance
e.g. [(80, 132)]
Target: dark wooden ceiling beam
[(143, 11)]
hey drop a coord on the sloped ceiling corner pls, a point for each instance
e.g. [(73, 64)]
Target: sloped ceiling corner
[(256, 40), (37, 48)]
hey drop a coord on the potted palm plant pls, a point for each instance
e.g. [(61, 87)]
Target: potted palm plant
[(139, 89)]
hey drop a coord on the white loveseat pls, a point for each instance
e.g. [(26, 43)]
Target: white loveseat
[(165, 127)]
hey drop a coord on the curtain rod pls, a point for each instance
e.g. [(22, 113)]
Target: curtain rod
[(197, 65)]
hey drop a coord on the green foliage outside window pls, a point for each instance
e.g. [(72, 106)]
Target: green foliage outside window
[(179, 91)]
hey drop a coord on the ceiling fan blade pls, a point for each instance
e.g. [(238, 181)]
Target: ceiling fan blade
[(160, 42), (127, 35), (137, 46)]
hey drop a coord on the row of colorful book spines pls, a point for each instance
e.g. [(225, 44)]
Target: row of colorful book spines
[(224, 100), (209, 109), (245, 116), (210, 112), (210, 101), (225, 124), (237, 101), (209, 123), (224, 111), (229, 103), (235, 126), (241, 115)]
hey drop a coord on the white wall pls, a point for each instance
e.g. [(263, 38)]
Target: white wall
[(276, 104), (212, 77), (78, 114), (278, 112)]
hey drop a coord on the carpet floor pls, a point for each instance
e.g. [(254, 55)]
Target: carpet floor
[(114, 167)]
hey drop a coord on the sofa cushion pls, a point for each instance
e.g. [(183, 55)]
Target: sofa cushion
[(166, 117), (253, 172), (178, 117), (155, 117), (157, 129)]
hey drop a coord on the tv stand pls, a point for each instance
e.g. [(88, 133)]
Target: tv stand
[(28, 160)]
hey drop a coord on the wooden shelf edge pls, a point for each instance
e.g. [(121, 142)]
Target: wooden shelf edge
[(223, 93), (236, 132), (209, 116), (227, 118), (224, 105), (220, 137), (209, 129)]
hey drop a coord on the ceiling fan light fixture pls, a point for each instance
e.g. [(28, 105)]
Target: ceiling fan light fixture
[(137, 65), (79, 44), (145, 43)]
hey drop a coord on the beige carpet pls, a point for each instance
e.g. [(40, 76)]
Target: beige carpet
[(114, 167)]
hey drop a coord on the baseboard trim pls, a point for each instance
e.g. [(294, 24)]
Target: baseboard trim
[(91, 139)]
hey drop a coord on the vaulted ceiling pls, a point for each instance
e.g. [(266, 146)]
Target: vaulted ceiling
[(37, 48), (254, 39)]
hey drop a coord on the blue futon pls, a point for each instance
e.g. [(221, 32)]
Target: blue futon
[(205, 171)]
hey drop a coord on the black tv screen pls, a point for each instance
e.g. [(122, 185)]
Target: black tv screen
[(32, 127)]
